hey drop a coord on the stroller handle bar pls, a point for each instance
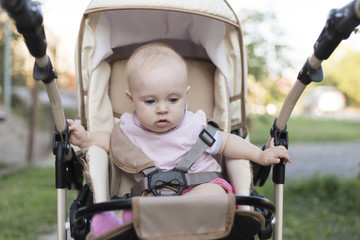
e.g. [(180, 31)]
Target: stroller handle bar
[(339, 25), (29, 22), (28, 19)]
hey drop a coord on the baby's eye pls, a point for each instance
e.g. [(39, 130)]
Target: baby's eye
[(173, 100), (150, 101)]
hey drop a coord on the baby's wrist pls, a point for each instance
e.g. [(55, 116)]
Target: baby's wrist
[(259, 159), (85, 139)]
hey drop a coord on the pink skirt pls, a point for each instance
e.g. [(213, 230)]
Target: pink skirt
[(222, 182)]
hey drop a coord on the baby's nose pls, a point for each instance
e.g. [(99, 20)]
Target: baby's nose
[(162, 108)]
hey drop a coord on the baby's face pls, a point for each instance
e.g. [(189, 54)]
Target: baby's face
[(159, 97)]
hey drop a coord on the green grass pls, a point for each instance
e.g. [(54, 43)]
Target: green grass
[(306, 130), (3, 166), (320, 208), (28, 204)]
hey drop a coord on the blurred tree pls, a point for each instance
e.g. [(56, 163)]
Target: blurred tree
[(266, 59), (343, 72), (265, 50), (17, 61)]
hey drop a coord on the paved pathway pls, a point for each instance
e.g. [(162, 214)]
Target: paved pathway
[(13, 142), (342, 159)]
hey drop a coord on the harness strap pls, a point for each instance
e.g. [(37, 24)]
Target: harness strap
[(139, 187), (205, 140), (148, 171), (201, 177)]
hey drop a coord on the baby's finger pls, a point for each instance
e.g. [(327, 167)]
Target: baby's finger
[(287, 159), (271, 143), (283, 153), (276, 160), (70, 122)]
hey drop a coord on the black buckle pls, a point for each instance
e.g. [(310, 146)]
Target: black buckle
[(207, 138), (174, 178)]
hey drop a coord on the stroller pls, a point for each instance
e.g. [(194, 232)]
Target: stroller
[(208, 35), (210, 39)]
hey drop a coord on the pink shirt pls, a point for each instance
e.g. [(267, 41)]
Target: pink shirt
[(167, 149)]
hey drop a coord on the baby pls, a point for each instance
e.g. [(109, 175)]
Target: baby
[(163, 128)]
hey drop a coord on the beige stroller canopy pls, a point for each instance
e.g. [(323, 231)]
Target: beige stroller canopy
[(196, 29)]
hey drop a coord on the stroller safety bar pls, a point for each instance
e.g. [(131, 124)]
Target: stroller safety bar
[(121, 204)]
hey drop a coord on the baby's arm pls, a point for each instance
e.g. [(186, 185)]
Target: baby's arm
[(83, 139), (235, 147)]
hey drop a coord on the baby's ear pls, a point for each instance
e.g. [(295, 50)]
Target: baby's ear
[(188, 89), (129, 96)]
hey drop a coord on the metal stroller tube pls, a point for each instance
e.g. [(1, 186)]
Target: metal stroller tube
[(280, 124), (54, 96), (44, 71)]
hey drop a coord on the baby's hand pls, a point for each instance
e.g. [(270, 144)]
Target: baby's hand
[(78, 133), (272, 155)]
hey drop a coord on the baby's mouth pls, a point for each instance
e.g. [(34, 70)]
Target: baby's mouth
[(162, 123)]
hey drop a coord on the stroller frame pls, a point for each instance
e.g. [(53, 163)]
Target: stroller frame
[(29, 21)]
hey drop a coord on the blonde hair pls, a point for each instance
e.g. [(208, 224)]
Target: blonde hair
[(150, 56)]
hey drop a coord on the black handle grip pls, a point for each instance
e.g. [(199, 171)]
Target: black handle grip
[(29, 22), (339, 25)]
